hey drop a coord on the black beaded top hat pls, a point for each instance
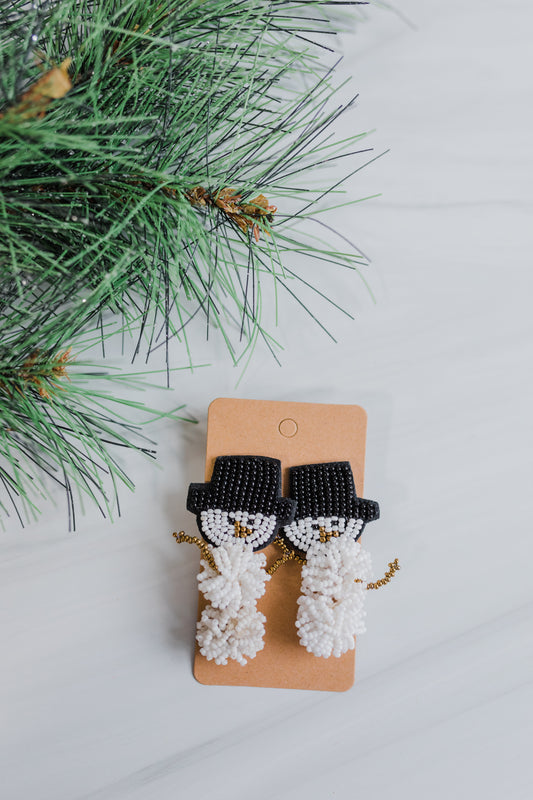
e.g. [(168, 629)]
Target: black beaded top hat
[(242, 501), (327, 505)]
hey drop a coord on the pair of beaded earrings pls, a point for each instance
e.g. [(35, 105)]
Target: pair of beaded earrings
[(239, 512)]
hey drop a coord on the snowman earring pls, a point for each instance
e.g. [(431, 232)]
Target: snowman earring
[(238, 512), (328, 522)]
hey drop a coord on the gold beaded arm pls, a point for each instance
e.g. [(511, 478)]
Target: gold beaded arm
[(289, 554), (182, 537), (393, 567)]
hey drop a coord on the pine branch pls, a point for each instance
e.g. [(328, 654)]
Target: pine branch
[(40, 372), (96, 187), (61, 423), (159, 160)]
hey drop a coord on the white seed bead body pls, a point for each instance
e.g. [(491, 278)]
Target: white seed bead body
[(231, 627), (331, 606)]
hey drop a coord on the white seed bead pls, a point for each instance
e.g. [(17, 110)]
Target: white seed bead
[(331, 607), (231, 627)]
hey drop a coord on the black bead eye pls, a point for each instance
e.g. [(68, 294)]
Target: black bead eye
[(315, 526)]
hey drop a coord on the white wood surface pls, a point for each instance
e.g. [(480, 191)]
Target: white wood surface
[(97, 696)]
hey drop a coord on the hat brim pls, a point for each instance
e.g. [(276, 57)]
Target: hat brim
[(198, 497)]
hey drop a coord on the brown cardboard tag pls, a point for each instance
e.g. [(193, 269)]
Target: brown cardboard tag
[(295, 433)]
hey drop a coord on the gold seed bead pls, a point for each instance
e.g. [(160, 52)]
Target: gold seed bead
[(182, 537), (288, 555), (240, 531), (394, 567)]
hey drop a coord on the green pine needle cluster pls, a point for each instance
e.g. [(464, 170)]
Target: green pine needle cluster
[(62, 419), (158, 160)]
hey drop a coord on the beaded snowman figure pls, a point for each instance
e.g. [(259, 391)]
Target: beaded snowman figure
[(238, 512), (328, 522)]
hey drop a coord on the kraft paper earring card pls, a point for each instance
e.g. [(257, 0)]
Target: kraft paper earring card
[(293, 434)]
